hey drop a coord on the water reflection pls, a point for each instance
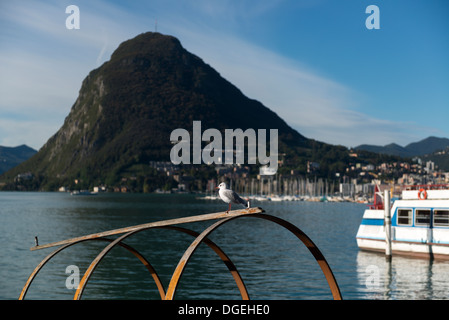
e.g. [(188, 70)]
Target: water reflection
[(403, 278)]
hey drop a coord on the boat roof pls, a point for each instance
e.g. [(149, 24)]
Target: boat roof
[(429, 195)]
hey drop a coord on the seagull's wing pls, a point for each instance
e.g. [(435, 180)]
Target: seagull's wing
[(227, 193), (236, 198)]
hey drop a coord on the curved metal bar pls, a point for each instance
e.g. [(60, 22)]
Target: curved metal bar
[(238, 279), (150, 268), (299, 234), (188, 253), (319, 257), (129, 248), (94, 263), (39, 267), (227, 261)]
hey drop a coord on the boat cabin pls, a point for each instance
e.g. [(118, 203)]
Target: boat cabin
[(419, 225)]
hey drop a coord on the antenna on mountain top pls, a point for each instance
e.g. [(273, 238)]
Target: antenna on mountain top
[(155, 26)]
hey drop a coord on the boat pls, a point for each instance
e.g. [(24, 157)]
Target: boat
[(276, 198), (83, 193), (419, 223), (209, 197)]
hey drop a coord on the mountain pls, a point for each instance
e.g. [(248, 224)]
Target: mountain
[(391, 149), (420, 148), (427, 146), (127, 108), (12, 156)]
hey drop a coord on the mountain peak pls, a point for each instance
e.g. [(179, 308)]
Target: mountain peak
[(12, 156), (428, 145), (127, 108), (148, 43)]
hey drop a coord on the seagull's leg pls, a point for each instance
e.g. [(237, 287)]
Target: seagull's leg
[(229, 208)]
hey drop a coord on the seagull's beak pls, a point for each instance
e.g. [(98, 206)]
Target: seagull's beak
[(217, 187)]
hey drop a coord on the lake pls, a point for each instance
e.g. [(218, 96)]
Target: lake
[(273, 263)]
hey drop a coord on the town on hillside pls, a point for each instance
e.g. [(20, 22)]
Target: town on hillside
[(356, 183)]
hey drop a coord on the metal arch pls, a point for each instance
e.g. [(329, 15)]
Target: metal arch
[(129, 248), (94, 263), (296, 231), (319, 257), (168, 224), (150, 268), (238, 279), (227, 261)]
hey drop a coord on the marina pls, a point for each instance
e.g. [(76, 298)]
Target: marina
[(278, 189)]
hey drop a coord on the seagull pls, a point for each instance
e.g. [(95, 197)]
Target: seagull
[(230, 196)]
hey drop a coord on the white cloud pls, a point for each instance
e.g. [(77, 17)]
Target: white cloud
[(43, 64)]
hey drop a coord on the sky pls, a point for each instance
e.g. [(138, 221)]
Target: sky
[(313, 62)]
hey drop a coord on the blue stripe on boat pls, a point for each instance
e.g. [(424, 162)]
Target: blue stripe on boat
[(373, 222)]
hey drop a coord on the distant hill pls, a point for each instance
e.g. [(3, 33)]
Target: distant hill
[(440, 158), (427, 146), (420, 148), (13, 156), (127, 108), (390, 149)]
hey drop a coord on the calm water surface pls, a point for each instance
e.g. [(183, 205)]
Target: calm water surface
[(273, 263)]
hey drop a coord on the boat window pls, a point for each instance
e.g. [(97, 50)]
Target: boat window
[(405, 217), (422, 217), (441, 218)]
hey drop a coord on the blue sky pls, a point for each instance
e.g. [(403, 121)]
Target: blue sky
[(313, 62)]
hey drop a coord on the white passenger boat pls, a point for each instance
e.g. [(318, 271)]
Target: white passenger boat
[(419, 224)]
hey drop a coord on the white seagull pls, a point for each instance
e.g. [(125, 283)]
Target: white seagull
[(230, 196)]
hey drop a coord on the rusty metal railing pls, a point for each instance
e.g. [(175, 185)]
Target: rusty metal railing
[(172, 224)]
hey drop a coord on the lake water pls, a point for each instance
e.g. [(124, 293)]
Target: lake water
[(273, 263)]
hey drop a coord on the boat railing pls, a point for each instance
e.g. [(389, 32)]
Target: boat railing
[(426, 187)]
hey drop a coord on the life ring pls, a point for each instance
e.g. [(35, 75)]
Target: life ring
[(422, 194)]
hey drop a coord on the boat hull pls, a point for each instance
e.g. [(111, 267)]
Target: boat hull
[(403, 248), (419, 228)]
